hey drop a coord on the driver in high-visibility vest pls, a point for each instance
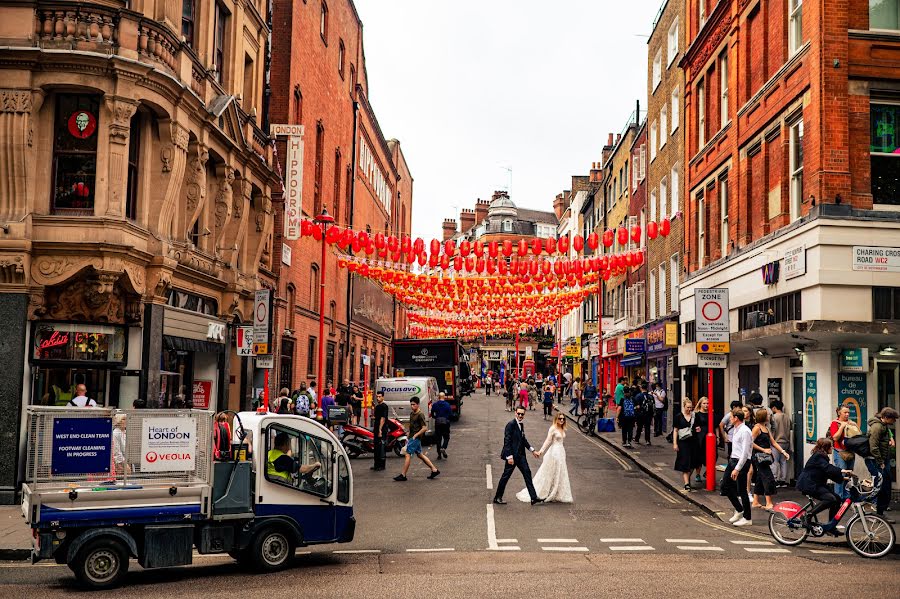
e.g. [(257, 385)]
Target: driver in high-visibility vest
[(280, 463)]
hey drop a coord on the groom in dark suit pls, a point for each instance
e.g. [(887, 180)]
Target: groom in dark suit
[(514, 446)]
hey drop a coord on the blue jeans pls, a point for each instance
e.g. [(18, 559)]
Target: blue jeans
[(884, 497), (839, 488)]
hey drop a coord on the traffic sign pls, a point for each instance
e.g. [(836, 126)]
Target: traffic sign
[(711, 307), (712, 361), (713, 348), (260, 349), (244, 341), (265, 362), (262, 305)]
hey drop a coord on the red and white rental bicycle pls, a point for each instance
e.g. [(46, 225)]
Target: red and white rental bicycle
[(870, 535)]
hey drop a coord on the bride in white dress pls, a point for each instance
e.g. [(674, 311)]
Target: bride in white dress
[(552, 479)]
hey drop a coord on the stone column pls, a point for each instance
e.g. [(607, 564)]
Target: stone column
[(120, 113), (15, 149), (173, 156), (13, 313)]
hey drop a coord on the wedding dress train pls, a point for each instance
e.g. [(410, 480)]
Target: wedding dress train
[(552, 479)]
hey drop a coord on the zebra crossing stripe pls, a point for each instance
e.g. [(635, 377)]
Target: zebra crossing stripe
[(698, 548), (698, 541)]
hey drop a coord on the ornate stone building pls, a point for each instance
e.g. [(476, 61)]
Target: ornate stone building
[(135, 202)]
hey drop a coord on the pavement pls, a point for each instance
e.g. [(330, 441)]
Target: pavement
[(627, 533)]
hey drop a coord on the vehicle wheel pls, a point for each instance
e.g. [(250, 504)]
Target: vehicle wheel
[(878, 542), (398, 449), (584, 424), (271, 550), (784, 533), (352, 447), (101, 564)]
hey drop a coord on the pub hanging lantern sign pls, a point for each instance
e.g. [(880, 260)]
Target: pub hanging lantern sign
[(82, 124)]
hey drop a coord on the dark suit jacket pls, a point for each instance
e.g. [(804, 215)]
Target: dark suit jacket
[(514, 442)]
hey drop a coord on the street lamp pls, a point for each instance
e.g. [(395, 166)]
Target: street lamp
[(324, 219)]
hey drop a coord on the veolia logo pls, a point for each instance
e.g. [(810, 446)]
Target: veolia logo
[(152, 457)]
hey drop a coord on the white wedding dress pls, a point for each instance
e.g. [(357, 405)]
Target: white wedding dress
[(552, 479)]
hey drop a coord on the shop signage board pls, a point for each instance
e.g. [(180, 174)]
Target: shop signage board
[(590, 327), (719, 361), (168, 444), (244, 341), (671, 334), (265, 362), (262, 308), (293, 177), (493, 354), (594, 347), (713, 348), (607, 322), (572, 351), (711, 310), (202, 391), (810, 409), (876, 259), (794, 262), (529, 353), (81, 446), (774, 389), (852, 394), (286, 254), (634, 346), (855, 360)]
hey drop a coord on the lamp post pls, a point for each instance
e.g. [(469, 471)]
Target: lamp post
[(324, 219)]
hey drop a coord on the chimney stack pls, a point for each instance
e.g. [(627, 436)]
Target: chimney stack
[(560, 204), (466, 219), (481, 210), (449, 228), (607, 151), (596, 175)]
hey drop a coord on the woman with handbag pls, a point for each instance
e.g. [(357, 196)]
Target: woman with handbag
[(701, 428), (841, 429), (684, 441), (763, 445)]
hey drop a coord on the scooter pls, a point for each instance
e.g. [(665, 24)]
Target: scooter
[(359, 440)]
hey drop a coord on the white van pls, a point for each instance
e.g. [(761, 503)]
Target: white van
[(398, 391)]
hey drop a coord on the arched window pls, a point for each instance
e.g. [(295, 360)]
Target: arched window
[(332, 315), (507, 226), (314, 287)]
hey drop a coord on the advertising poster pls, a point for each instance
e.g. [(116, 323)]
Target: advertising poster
[(810, 409), (852, 393), (201, 394), (81, 446), (168, 444)]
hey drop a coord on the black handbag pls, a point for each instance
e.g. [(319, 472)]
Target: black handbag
[(763, 459)]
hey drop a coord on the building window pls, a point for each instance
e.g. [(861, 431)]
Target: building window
[(311, 358), (653, 132), (701, 231), (885, 303), (723, 212), (723, 88), (653, 205), (701, 115), (657, 69), (701, 16), (341, 58), (884, 14), (643, 161), (291, 306), (796, 166), (676, 108), (674, 271), (795, 25), (323, 23), (314, 287), (319, 166), (653, 312), (885, 153), (332, 317), (219, 42), (676, 190), (134, 152), (188, 17), (663, 195), (352, 362), (662, 289), (247, 101), (663, 125), (337, 185), (507, 226), (298, 105), (75, 154), (673, 41), (781, 308)]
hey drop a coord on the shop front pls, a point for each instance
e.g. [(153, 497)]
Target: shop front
[(612, 358), (193, 364), (662, 353), (633, 360), (594, 359)]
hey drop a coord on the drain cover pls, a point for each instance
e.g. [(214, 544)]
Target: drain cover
[(592, 515)]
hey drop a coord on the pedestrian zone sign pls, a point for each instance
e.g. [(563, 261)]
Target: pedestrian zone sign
[(712, 321)]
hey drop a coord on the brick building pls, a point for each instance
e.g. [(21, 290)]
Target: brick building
[(319, 81), (791, 200)]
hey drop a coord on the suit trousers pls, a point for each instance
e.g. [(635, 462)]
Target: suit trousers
[(736, 491), (520, 462), (379, 453)]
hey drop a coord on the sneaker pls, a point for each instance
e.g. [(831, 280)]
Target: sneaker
[(743, 522), (439, 454), (434, 475), (400, 478), (687, 487), (737, 516)]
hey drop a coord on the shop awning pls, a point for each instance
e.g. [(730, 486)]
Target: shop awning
[(632, 361), (194, 345)]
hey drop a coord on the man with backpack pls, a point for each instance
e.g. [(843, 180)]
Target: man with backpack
[(881, 446), (644, 408), (302, 401), (660, 405), (626, 414)]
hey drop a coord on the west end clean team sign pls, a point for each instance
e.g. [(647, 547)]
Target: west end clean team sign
[(168, 444), (81, 445)]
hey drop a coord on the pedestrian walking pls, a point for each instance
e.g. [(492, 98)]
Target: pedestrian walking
[(841, 429), (684, 441), (533, 393), (81, 400), (302, 401), (764, 445), (589, 395), (625, 415), (417, 428), (660, 404), (881, 445), (701, 429), (380, 431), (552, 479), (514, 445), (283, 401), (748, 422), (548, 399), (576, 397), (726, 428), (120, 460), (619, 393), (523, 394), (734, 481), (441, 411), (782, 429), (488, 383), (645, 408), (313, 393)]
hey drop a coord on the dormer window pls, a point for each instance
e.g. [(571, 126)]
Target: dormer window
[(507, 226)]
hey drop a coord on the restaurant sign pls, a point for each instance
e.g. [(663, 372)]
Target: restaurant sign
[(78, 342)]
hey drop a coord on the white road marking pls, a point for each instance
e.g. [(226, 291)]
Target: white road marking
[(493, 541), (766, 550), (436, 549), (580, 549), (729, 529), (631, 548), (621, 540), (507, 548), (753, 542), (699, 541), (698, 548), (488, 476), (831, 551), (557, 540), (662, 494), (507, 540), (358, 551)]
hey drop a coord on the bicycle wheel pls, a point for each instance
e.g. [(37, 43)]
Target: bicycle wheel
[(592, 426), (786, 533), (876, 543), (584, 424)]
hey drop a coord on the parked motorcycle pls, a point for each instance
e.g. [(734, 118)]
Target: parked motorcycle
[(359, 440)]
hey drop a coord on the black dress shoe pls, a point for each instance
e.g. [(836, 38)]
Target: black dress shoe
[(538, 500), (499, 501)]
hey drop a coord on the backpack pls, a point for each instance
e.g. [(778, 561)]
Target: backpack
[(628, 407), (859, 445), (301, 405)]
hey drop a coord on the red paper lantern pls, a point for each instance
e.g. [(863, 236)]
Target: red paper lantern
[(479, 266), (665, 227), (433, 260), (501, 267), (507, 248), (449, 247), (536, 246), (593, 241), (395, 256), (578, 243), (533, 267), (563, 244), (606, 275), (305, 226), (550, 245), (355, 246), (405, 244), (652, 230), (445, 262), (638, 258), (470, 265), (457, 263), (608, 238), (370, 248), (478, 249), (380, 241), (333, 235), (490, 266), (435, 246), (523, 248), (622, 235), (317, 232), (419, 245), (546, 267), (493, 249), (604, 263), (464, 248), (393, 243), (636, 233)]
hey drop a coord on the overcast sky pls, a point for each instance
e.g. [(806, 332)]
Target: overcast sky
[(473, 88)]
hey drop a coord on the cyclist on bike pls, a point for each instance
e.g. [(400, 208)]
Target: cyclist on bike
[(812, 482)]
